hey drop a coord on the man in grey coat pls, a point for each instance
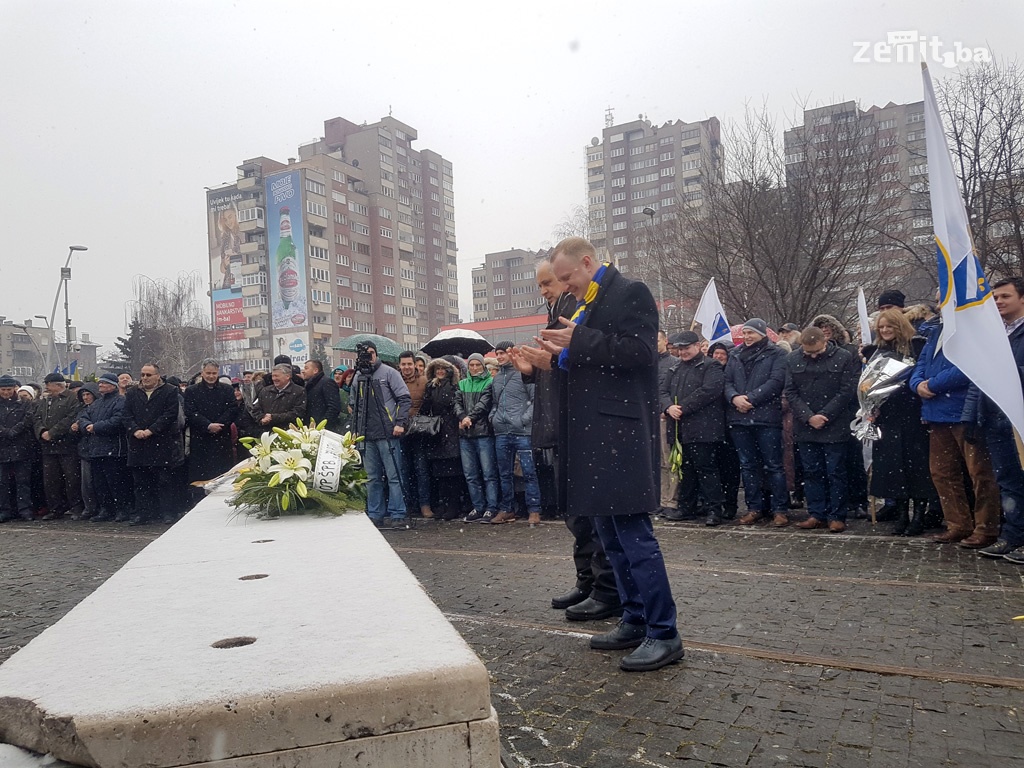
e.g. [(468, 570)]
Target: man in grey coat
[(512, 420)]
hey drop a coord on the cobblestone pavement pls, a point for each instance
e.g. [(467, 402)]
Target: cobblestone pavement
[(803, 649)]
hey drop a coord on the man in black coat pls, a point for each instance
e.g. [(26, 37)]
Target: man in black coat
[(281, 403), (151, 419), (821, 386), (210, 410), (323, 398), (16, 446), (692, 400), (609, 450), (595, 595)]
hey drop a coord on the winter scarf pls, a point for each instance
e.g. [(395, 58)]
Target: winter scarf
[(580, 315)]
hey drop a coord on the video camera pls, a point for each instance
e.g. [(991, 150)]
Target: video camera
[(364, 362)]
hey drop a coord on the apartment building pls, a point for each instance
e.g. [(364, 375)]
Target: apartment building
[(636, 173), (505, 285), (25, 348), (355, 235), (892, 141)]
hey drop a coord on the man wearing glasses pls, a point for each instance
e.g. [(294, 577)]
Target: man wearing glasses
[(154, 445)]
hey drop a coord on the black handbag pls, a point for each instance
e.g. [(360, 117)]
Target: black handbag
[(424, 426)]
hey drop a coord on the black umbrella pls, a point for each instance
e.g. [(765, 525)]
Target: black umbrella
[(457, 341)]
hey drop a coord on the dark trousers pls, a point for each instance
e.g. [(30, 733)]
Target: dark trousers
[(112, 483), (825, 479), (154, 492), (760, 452), (593, 571), (62, 480), (856, 475), (20, 472), (415, 474), (640, 572), (1003, 451), (729, 471), (700, 474)]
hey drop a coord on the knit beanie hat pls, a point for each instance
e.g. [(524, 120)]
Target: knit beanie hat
[(109, 378), (27, 388), (476, 356), (757, 325), (894, 298)]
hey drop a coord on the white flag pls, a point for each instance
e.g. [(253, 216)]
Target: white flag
[(973, 335), (711, 317), (865, 320)]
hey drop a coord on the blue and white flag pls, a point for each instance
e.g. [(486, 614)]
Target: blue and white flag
[(711, 317), (973, 334)]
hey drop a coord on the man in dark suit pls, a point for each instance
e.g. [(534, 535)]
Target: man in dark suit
[(610, 456)]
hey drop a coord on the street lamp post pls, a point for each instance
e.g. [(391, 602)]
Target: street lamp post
[(649, 213), (65, 275)]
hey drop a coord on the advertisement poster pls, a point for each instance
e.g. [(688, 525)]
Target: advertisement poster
[(226, 240), (286, 252), (295, 345)]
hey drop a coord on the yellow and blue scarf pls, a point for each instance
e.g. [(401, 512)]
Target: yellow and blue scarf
[(580, 315)]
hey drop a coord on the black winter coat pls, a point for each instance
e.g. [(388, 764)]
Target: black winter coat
[(759, 372), (159, 414), (547, 397), (439, 400), (899, 459), (323, 400), (108, 439), (284, 407), (609, 449), (210, 454), (16, 439), (826, 385), (697, 387)]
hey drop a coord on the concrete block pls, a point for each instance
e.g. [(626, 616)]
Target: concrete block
[(230, 637)]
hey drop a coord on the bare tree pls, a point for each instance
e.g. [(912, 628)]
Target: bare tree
[(175, 329), (790, 229), (575, 223), (984, 109)]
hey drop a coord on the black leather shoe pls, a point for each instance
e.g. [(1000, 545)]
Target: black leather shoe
[(54, 516), (122, 517), (573, 597), (592, 610), (653, 654), (676, 515), (169, 519), (6, 517), (139, 520), (712, 521), (623, 636), (102, 517)]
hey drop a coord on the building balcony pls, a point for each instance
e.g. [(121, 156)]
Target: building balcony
[(249, 182), (252, 247), (256, 333), (323, 329), (256, 225)]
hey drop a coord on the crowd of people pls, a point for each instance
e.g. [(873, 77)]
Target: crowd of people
[(561, 429)]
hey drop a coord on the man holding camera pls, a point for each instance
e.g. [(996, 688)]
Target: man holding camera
[(380, 410)]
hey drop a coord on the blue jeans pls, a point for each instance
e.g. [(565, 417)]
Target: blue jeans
[(383, 458), (507, 447), (415, 465), (478, 464), (825, 479), (1010, 476), (640, 575), (760, 451)]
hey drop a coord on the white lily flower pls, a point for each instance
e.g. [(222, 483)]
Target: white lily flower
[(288, 464)]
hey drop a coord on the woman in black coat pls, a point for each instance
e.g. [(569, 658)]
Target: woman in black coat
[(899, 463), (439, 399)]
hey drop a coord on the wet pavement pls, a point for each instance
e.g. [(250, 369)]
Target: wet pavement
[(803, 648)]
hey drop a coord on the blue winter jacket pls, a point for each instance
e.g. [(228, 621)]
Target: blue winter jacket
[(948, 382), (512, 411), (108, 437)]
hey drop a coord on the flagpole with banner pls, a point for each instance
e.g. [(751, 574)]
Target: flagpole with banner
[(973, 334), (863, 318), (711, 316)]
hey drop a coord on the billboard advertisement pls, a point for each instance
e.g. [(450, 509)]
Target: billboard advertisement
[(286, 252), (295, 345), (226, 240)]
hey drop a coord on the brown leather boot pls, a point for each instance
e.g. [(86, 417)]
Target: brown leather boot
[(950, 537), (978, 541), (780, 520), (810, 524), (750, 518)]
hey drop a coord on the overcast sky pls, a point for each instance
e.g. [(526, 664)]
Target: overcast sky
[(115, 115)]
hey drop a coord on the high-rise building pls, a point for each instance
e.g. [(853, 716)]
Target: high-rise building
[(893, 138), (505, 285), (636, 173), (25, 349), (355, 235)]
